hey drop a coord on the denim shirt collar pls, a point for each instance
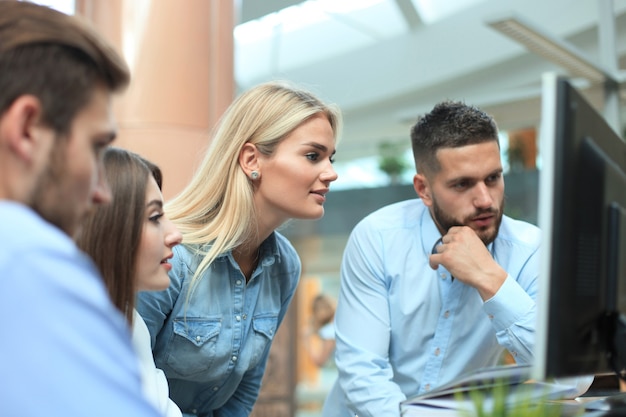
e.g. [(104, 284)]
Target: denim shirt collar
[(268, 252)]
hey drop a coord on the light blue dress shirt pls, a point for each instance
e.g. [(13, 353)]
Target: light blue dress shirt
[(65, 349), (214, 348), (403, 328)]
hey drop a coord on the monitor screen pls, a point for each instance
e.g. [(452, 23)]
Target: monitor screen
[(582, 214)]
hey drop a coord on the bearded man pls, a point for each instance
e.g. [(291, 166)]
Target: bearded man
[(435, 287)]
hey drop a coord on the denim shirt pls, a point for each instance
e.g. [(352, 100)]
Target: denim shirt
[(213, 345)]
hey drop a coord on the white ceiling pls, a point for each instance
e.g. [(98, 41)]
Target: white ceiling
[(387, 64)]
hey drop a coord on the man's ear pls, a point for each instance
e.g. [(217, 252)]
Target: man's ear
[(249, 159), (422, 188), (20, 126)]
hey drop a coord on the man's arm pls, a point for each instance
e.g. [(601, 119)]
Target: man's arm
[(510, 298), (363, 330)]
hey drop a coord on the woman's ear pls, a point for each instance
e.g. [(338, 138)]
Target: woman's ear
[(422, 188), (249, 160)]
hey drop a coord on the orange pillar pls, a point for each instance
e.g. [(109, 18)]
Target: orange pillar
[(181, 60)]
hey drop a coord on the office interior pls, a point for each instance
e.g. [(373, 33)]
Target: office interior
[(384, 62)]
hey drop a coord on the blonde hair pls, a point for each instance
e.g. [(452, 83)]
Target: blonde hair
[(217, 205)]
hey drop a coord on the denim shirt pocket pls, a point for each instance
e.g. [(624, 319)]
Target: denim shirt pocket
[(193, 345), (264, 330)]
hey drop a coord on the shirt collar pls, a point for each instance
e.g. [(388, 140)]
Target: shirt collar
[(430, 233), (268, 252)]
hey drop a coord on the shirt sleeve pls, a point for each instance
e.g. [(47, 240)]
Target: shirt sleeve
[(362, 358), (513, 311), (81, 361)]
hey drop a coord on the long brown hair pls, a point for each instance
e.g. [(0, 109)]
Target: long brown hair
[(112, 232)]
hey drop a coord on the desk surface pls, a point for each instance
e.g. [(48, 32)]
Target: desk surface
[(569, 408), (598, 396)]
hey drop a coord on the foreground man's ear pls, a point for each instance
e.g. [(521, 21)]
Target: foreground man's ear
[(20, 128)]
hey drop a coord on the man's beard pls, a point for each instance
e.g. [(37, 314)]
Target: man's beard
[(47, 199), (445, 222)]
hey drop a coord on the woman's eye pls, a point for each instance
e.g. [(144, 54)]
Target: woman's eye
[(155, 218), (313, 156)]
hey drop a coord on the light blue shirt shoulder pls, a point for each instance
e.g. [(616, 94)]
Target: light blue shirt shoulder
[(213, 344), (422, 329), (67, 350)]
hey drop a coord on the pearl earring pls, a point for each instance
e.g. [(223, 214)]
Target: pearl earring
[(254, 175)]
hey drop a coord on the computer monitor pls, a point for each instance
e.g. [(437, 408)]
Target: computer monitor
[(581, 305)]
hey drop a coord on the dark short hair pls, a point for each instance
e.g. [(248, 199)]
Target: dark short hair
[(55, 57), (450, 124)]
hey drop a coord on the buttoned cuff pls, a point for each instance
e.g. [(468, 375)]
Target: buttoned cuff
[(510, 304)]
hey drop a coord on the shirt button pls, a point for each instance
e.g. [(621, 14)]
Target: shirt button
[(194, 411), (234, 358), (198, 338), (514, 354), (427, 387), (437, 352), (443, 275), (215, 388), (446, 314), (245, 316), (238, 317), (238, 282), (491, 317)]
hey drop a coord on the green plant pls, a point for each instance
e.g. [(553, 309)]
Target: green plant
[(391, 160), (498, 401)]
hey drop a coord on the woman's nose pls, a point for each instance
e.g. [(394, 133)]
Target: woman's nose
[(329, 175), (173, 236)]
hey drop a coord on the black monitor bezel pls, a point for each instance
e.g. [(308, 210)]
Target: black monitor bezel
[(583, 164)]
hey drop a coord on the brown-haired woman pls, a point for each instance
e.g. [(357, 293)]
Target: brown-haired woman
[(131, 241)]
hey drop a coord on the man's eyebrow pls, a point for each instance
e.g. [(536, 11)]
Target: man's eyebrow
[(455, 180), (472, 179)]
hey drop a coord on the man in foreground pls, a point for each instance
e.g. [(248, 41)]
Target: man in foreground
[(65, 349)]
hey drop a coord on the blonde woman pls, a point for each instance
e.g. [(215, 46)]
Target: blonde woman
[(270, 160)]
